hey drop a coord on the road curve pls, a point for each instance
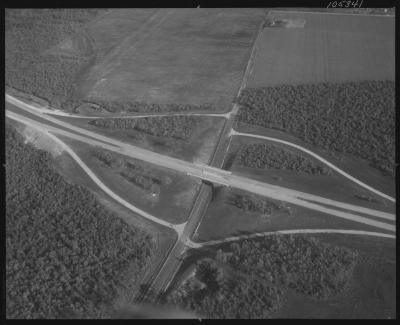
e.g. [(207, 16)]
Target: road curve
[(192, 244), (214, 175), (178, 228), (337, 169)]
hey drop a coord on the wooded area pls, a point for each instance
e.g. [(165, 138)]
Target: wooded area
[(267, 156), (66, 255), (247, 279), (214, 292), (354, 117), (29, 33)]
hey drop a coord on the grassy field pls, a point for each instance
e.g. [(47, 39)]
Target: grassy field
[(223, 219), (184, 56), (169, 197), (328, 48), (197, 147), (334, 186)]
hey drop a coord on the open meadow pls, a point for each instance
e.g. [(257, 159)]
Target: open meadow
[(179, 56)]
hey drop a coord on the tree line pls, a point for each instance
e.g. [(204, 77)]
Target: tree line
[(131, 172), (119, 106), (255, 204), (176, 127)]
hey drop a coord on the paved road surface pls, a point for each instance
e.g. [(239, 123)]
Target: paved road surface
[(287, 232), (219, 176)]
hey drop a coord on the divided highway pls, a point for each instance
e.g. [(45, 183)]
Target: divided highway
[(38, 118), (214, 175)]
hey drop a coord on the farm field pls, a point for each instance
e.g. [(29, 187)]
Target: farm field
[(165, 194), (223, 219), (192, 138), (175, 56), (328, 48), (333, 185)]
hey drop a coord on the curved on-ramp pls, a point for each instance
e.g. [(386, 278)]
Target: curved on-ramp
[(326, 162), (192, 244), (177, 227)]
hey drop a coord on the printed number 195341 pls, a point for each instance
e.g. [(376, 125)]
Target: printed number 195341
[(345, 4)]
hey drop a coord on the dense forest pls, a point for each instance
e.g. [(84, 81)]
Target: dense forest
[(266, 156), (263, 269), (177, 127), (66, 255), (214, 292), (29, 34), (256, 204), (354, 117), (135, 106)]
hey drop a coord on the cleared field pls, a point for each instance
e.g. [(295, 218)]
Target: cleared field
[(185, 56), (328, 48), (160, 192)]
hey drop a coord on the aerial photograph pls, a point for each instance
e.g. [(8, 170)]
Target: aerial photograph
[(201, 163)]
